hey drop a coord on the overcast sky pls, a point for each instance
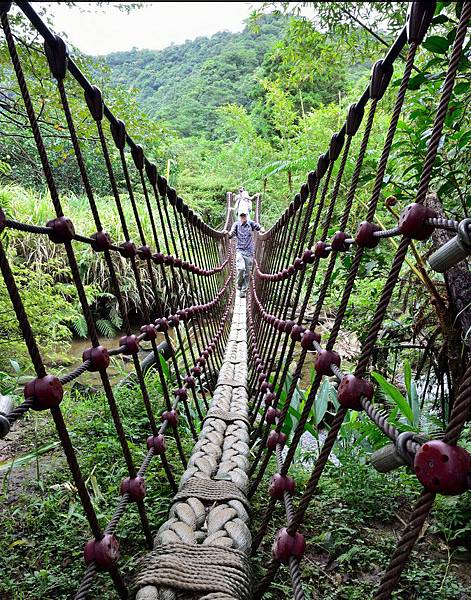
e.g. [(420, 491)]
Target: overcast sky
[(155, 26)]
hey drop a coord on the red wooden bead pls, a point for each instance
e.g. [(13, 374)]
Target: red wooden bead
[(127, 249), (101, 241), (130, 343), (308, 339), (182, 314), (189, 382), (308, 256), (281, 325), (364, 236), (298, 264), (320, 250), (264, 386), (104, 552), (412, 221), (262, 377), (272, 415), (201, 361), (135, 487), (286, 545), (173, 321), (158, 258), (351, 389), (149, 331), (47, 392), (169, 259), (99, 357), (291, 270), (324, 359), (63, 230), (196, 371), (268, 398), (296, 332), (144, 252), (280, 484), (157, 442), (171, 416), (276, 323), (338, 242), (272, 440), (161, 324), (178, 261), (181, 393), (288, 326), (205, 353), (442, 468), (275, 438)]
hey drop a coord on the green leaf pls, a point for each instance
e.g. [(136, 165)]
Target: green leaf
[(27, 458), (322, 401), (15, 366), (465, 139), (165, 367), (437, 44), (440, 19), (308, 427), (407, 375), (411, 392), (415, 82), (462, 87), (395, 395)]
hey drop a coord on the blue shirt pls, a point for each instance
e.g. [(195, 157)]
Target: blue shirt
[(243, 233)]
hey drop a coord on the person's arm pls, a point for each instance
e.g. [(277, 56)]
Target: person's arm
[(255, 226), (232, 231)]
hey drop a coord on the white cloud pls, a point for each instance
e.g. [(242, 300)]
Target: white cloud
[(100, 30)]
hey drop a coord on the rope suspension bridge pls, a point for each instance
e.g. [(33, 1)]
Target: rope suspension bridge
[(231, 375)]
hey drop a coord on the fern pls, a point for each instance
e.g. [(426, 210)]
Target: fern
[(105, 327), (115, 317), (79, 325)]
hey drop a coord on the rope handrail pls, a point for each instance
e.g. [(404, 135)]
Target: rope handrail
[(354, 391)]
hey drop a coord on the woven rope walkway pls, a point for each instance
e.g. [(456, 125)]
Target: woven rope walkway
[(201, 551)]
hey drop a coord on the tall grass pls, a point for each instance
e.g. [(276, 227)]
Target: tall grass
[(44, 276)]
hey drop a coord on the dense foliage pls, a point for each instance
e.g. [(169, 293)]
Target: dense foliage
[(184, 84)]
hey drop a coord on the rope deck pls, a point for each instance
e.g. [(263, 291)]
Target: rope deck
[(204, 545)]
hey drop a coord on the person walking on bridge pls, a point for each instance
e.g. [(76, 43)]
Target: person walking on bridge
[(243, 229), (243, 203)]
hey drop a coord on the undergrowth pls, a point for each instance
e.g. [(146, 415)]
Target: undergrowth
[(351, 528), (44, 527)]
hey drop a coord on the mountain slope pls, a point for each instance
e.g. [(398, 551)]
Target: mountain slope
[(184, 84)]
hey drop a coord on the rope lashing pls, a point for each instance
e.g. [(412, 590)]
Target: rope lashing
[(213, 572)]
